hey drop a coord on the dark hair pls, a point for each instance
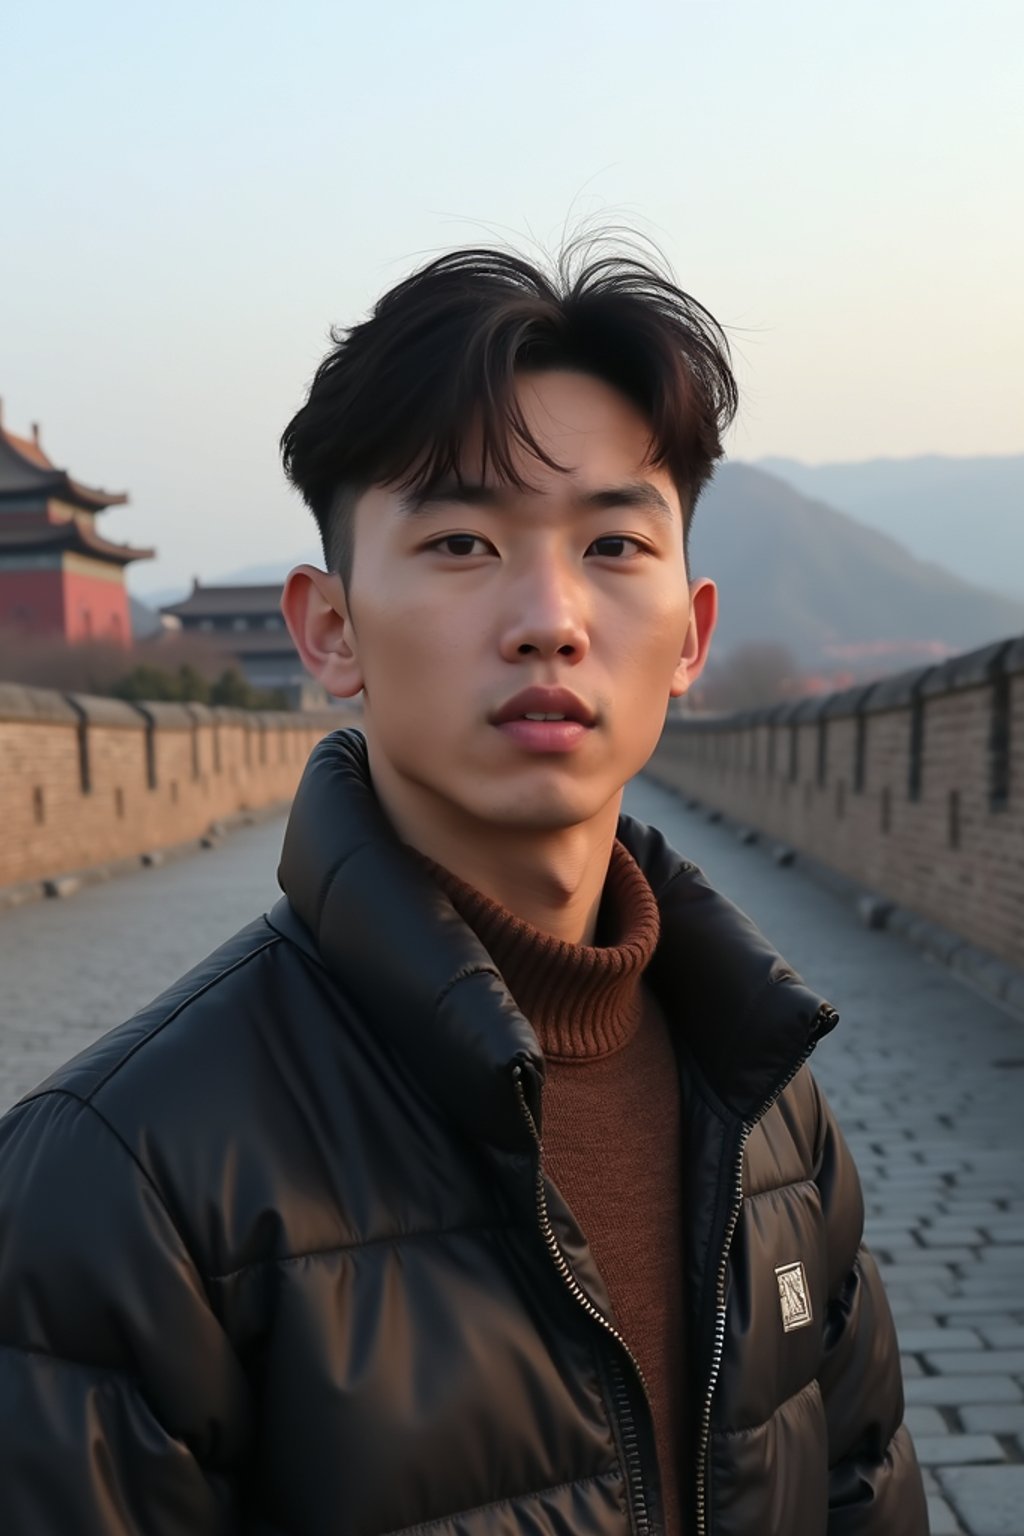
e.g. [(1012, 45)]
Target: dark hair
[(392, 400)]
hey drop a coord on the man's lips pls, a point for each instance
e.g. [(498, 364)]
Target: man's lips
[(539, 700)]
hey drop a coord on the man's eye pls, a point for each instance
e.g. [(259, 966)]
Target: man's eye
[(616, 544), (458, 544)]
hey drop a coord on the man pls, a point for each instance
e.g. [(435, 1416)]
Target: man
[(481, 1186)]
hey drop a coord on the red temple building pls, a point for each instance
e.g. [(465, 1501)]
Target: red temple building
[(58, 574)]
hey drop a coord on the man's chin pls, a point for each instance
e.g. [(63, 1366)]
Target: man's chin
[(552, 811)]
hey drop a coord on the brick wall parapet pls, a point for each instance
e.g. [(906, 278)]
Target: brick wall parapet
[(912, 786), (88, 781)]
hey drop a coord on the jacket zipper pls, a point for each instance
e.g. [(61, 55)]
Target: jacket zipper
[(630, 1442), (723, 1268)]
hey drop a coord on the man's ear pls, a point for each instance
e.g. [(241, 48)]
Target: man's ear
[(703, 617), (316, 610)]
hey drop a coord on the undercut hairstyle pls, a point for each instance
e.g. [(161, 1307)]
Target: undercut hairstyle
[(394, 398)]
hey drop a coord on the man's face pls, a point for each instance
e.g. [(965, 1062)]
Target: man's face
[(459, 602)]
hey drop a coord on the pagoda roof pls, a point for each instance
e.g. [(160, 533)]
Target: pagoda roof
[(227, 602), (26, 469), (78, 537)]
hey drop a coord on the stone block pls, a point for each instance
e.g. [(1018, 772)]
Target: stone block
[(914, 1274), (918, 1259), (915, 1340), (975, 1362), (993, 1418), (941, 1519), (927, 1421), (957, 1450), (999, 1336), (939, 1235), (874, 911), (999, 1306), (988, 1500), (956, 1391)]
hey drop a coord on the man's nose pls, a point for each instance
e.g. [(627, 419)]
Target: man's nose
[(547, 613)]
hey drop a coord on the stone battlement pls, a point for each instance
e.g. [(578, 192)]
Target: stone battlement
[(912, 786), (88, 781)]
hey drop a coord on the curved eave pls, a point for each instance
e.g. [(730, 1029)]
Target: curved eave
[(43, 476), (94, 544), (73, 538), (55, 485), (92, 500)]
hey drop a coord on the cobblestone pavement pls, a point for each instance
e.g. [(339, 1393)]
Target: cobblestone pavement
[(926, 1076)]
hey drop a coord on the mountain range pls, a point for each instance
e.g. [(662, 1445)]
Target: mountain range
[(841, 595), (792, 568), (964, 513)]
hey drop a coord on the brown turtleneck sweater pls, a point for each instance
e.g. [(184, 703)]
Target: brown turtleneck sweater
[(612, 1143)]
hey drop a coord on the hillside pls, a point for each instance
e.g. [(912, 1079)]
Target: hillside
[(966, 514), (795, 570)]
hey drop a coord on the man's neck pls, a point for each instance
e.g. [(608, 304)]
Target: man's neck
[(552, 879)]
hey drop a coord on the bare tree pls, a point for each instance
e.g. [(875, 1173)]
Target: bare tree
[(752, 674)]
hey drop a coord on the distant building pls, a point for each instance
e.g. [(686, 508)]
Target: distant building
[(246, 623), (58, 574)]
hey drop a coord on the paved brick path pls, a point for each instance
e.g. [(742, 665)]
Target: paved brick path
[(926, 1076)]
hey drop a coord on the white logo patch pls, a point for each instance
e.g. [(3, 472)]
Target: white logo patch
[(793, 1296)]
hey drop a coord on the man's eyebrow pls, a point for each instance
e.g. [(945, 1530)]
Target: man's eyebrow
[(460, 493), (638, 494)]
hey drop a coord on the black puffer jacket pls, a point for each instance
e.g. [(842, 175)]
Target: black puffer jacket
[(277, 1256)]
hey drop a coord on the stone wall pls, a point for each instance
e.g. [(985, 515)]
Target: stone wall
[(913, 786), (87, 781)]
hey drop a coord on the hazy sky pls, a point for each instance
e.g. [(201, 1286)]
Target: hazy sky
[(191, 194)]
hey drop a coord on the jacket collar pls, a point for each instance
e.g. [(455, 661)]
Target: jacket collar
[(397, 948)]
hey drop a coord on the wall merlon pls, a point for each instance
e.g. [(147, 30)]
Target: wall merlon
[(895, 692), (972, 670), (107, 712), (166, 716), (1014, 658), (21, 703), (200, 714)]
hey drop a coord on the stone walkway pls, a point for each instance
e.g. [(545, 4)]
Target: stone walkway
[(70, 969), (926, 1076)]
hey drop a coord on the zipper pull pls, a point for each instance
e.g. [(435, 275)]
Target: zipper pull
[(527, 1087)]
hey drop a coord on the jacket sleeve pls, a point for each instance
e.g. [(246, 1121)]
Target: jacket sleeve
[(875, 1484), (122, 1407)]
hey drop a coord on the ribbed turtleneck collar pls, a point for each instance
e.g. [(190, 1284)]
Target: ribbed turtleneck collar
[(583, 1000)]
